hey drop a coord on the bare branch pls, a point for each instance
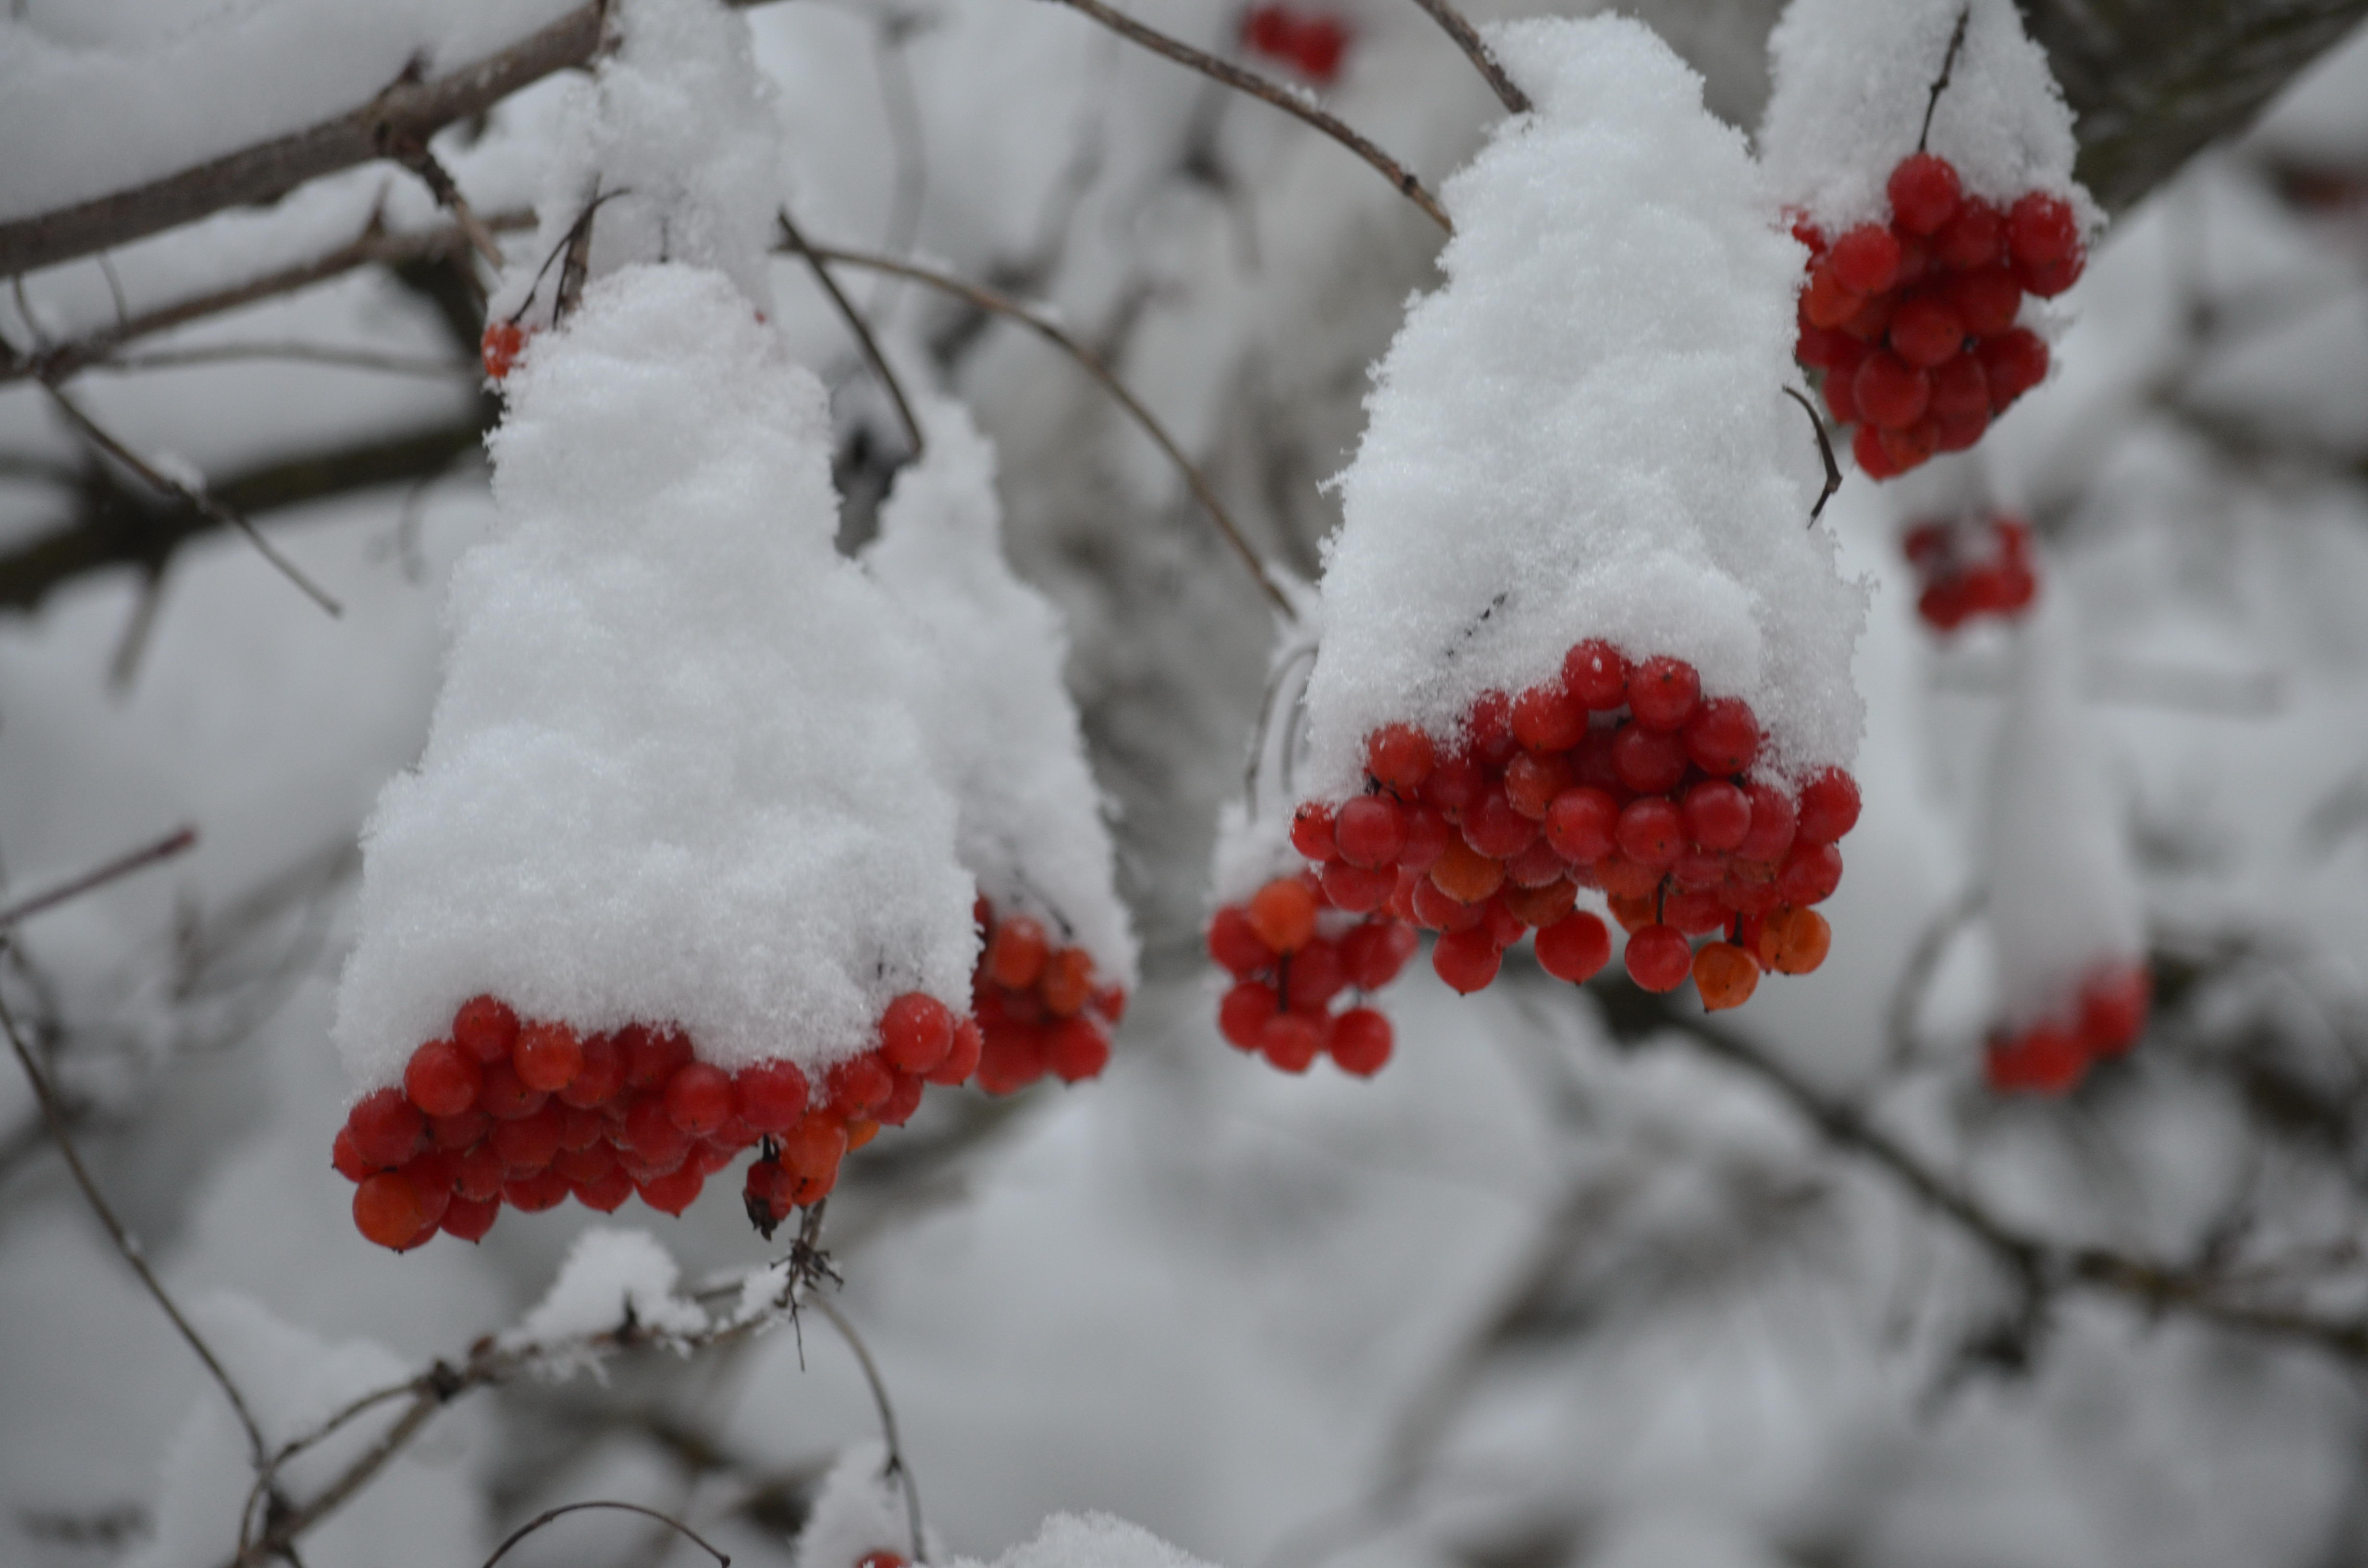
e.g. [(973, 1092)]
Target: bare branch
[(1515, 100), (164, 848), (524, 1530), (986, 299), (125, 1242), (896, 1465), (1257, 87), (860, 327), (295, 352)]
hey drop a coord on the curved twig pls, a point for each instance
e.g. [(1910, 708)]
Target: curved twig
[(1469, 40), (860, 327), (164, 848), (723, 1558), (986, 299), (1257, 87), (1825, 450), (896, 1465)]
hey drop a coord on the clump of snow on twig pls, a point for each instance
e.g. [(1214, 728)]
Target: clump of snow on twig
[(1584, 432), (859, 1510), (610, 1278)]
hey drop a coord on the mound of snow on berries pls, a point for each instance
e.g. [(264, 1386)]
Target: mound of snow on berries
[(1583, 433), (2063, 898), (671, 777), (999, 721), (1852, 79)]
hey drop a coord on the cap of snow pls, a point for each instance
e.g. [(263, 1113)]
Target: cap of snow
[(1850, 82), (859, 1510), (672, 776), (609, 1277), (1000, 723), (1584, 434), (2063, 898), (1089, 1540)]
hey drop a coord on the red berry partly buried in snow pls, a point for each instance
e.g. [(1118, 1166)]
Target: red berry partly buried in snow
[(501, 345)]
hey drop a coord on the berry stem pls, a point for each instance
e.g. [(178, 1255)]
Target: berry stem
[(1825, 450), (1948, 64)]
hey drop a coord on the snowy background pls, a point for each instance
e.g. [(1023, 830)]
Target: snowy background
[(1547, 1291)]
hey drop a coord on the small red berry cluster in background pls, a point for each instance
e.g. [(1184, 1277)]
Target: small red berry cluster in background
[(2052, 1056), (503, 343), (1614, 775), (529, 1113), (1042, 1007), (1314, 43), (1912, 322), (1295, 949), (1972, 567)]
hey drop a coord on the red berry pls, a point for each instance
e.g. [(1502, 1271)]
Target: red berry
[(1573, 947), (1315, 974), (1360, 1041), (1242, 1016), (855, 1087), (1467, 960), (1531, 782), (1619, 875), (442, 1079), (653, 1056), (485, 1029), (1356, 890), (1468, 876), (606, 1194), (387, 1209), (1660, 958), (2113, 1006), (1866, 259), (1910, 447), (672, 1193), (1794, 941), (477, 1174), (1437, 911), (1775, 820), (916, 1030), (1986, 300), (1312, 833), (1811, 873), (1924, 193), (1824, 349), (651, 1135), (1427, 835), (1454, 783), (1495, 828), (1827, 304), (2042, 228), (601, 1076), (1537, 866), (505, 1097), (814, 1148), (1839, 400), (2049, 278), (1541, 905), (1373, 954), (1649, 761), (1076, 1049), (1696, 912), (547, 1056), (1889, 391), (1926, 332), (1282, 913), (579, 1165), (961, 1061), (1291, 1041), (1663, 693), (1549, 718), (387, 1127), (1399, 757), (1235, 944), (1973, 236), (347, 1160), (1488, 730), (502, 344), (1015, 953), (1830, 806), (459, 1132), (469, 1219), (1371, 830), (1321, 42), (1651, 830), (1960, 390), (1866, 449), (699, 1098), (527, 1144), (2014, 362), (1722, 736), (1873, 318)]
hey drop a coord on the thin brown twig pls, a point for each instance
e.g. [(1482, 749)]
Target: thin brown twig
[(896, 1465), (412, 151), (1825, 450), (125, 1242), (123, 865), (1469, 40), (190, 495), (1282, 97), (299, 353), (547, 1515), (860, 327), (986, 299), (1948, 64)]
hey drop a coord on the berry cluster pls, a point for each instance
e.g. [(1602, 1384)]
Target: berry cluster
[(1295, 949), (1913, 323), (1041, 1006), (1617, 777), (1974, 567), (2052, 1056), (503, 343), (1314, 44), (529, 1112)]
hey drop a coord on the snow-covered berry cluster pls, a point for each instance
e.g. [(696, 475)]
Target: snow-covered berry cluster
[(2052, 1056), (1911, 324), (530, 1112), (1314, 43), (1042, 1007), (1971, 567), (1305, 951)]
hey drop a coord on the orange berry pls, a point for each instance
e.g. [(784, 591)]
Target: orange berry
[(387, 1209), (1067, 981), (1465, 875), (1282, 913), (1794, 941), (1725, 975)]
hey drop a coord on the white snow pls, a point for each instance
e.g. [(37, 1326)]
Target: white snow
[(1086, 1541), (1583, 433), (671, 775), (2062, 897), (609, 1275), (858, 1511), (1000, 721), (1852, 79)]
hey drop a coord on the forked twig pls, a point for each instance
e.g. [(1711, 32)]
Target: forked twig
[(123, 865), (860, 327), (986, 299), (723, 1560), (1257, 87), (1825, 450), (1470, 41)]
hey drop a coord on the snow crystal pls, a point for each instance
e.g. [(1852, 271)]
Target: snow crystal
[(1000, 721), (676, 135), (1852, 79), (1583, 433), (1087, 1540), (858, 1511), (2062, 897), (608, 1275), (671, 776)]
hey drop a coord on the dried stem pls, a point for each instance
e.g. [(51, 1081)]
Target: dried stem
[(1282, 97), (547, 1515), (295, 352), (896, 1465), (1825, 450), (1924, 963), (1948, 64), (123, 865), (191, 496), (125, 1242), (860, 327), (411, 153), (986, 299), (1470, 41)]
